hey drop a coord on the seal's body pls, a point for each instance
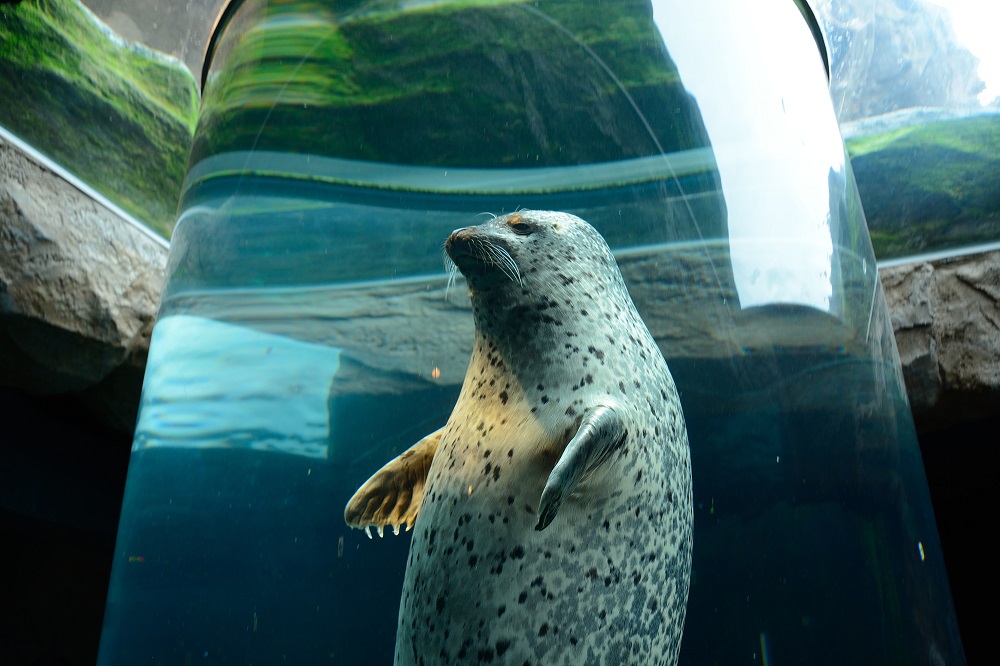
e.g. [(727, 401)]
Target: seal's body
[(555, 510)]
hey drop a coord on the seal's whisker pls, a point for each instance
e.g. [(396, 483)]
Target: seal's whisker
[(501, 258), (451, 269), (514, 270), (452, 276)]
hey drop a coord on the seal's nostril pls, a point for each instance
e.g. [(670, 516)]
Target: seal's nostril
[(456, 235)]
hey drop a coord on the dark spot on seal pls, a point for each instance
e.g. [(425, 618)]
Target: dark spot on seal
[(501, 647), (544, 629), (521, 598), (503, 397)]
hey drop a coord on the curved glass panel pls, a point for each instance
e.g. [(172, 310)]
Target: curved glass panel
[(308, 333)]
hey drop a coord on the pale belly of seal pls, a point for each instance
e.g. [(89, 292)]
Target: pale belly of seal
[(553, 511)]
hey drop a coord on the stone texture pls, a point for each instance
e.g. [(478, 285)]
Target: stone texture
[(891, 55), (79, 290), (946, 316)]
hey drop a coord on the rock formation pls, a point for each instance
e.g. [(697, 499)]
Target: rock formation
[(79, 289), (895, 54), (946, 316)]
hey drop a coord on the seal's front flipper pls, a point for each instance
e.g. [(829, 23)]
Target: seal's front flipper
[(393, 494), (601, 434)]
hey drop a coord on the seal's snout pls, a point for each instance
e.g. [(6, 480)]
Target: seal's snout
[(456, 236), (457, 244)]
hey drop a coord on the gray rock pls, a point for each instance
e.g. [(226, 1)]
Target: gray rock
[(890, 55), (946, 316), (79, 291)]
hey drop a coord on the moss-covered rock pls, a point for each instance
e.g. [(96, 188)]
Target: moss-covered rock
[(118, 115), (490, 84), (932, 186)]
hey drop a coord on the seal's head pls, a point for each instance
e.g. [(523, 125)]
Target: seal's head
[(526, 249), (539, 276)]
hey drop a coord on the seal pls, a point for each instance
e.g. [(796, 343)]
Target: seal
[(552, 514)]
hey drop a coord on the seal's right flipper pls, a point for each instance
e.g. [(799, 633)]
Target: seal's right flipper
[(601, 434), (393, 494)]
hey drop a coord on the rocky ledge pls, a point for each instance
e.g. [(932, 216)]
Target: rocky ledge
[(946, 317), (79, 291), (80, 287)]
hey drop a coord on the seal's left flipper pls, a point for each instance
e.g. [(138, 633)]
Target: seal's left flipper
[(392, 496), (601, 434)]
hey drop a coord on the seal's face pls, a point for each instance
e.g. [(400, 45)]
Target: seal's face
[(486, 253), (518, 247)]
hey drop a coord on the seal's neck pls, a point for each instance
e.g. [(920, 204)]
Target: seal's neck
[(534, 331)]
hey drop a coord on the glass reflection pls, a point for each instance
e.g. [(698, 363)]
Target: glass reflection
[(775, 142)]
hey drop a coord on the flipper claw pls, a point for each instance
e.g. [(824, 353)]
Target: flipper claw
[(392, 496)]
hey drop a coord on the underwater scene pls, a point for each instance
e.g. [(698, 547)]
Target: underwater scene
[(311, 331)]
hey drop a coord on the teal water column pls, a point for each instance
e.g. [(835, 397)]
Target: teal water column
[(307, 333)]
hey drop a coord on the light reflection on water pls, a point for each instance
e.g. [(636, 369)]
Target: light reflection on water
[(262, 392)]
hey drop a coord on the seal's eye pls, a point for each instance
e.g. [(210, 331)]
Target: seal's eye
[(521, 228)]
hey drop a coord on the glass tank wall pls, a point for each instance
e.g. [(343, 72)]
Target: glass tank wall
[(307, 333)]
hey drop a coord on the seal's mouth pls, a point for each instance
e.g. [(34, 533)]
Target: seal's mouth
[(478, 256)]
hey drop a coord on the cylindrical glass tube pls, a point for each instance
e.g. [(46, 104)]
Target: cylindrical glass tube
[(308, 334)]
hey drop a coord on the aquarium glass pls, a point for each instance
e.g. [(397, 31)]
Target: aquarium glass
[(308, 334)]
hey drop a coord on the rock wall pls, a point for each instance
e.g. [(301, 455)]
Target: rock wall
[(895, 54), (80, 288), (946, 316)]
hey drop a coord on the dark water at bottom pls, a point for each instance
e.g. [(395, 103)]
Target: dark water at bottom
[(814, 537)]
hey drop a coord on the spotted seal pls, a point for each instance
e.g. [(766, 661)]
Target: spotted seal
[(553, 511)]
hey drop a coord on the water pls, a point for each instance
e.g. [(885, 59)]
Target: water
[(307, 335)]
